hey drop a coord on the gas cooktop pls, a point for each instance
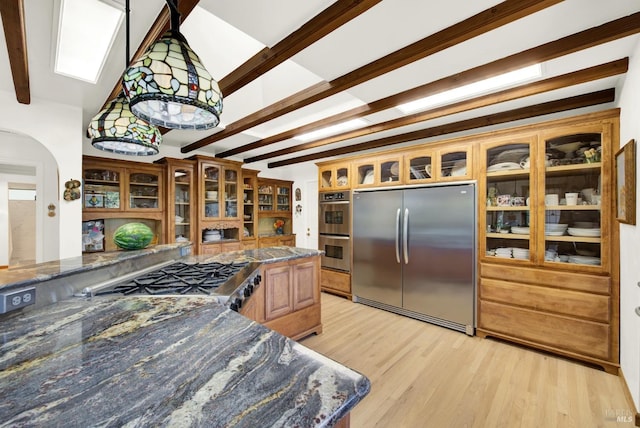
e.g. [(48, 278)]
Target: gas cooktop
[(226, 281)]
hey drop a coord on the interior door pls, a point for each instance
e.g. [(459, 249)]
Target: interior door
[(376, 271), (438, 272)]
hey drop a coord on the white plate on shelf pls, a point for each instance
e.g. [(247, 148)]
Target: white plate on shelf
[(575, 231), (368, 178), (520, 230), (504, 166), (553, 233)]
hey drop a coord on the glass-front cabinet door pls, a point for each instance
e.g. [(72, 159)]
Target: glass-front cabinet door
[(454, 163), (334, 177), (283, 198), (102, 188), (508, 226), (418, 167), (144, 190), (574, 198), (231, 188), (364, 173), (181, 199), (211, 191)]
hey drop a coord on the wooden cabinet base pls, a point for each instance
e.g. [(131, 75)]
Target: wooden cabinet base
[(605, 365), (345, 422), (335, 282), (298, 324)]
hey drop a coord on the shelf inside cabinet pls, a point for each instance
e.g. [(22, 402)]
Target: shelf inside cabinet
[(507, 208), (573, 207), (569, 238), (563, 169), (506, 235), (514, 173)]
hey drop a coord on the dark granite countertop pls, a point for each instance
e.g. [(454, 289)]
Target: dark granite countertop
[(168, 361), (40, 272)]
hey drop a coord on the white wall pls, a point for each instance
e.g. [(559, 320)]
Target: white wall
[(630, 240), (58, 127)]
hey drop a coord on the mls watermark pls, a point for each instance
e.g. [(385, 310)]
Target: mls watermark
[(619, 415)]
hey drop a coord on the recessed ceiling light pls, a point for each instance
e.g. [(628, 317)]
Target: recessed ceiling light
[(332, 130), (86, 30), (482, 87)]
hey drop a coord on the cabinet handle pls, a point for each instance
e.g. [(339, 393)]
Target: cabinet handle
[(405, 236), (398, 235)]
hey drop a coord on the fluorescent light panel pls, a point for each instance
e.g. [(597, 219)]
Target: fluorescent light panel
[(483, 86), (86, 31), (332, 130)]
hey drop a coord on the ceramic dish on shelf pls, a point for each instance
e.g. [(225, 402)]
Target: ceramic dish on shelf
[(179, 219), (342, 180), (459, 168), (576, 231), (520, 230), (368, 178), (504, 166), (512, 156)]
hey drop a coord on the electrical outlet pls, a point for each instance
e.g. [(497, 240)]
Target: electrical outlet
[(16, 299)]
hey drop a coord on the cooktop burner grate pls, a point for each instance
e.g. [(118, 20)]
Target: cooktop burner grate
[(178, 278)]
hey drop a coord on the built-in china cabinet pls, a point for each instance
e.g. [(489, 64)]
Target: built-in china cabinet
[(548, 274)]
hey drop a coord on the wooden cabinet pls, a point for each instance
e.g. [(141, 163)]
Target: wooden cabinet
[(335, 282), (180, 199), (418, 166), (548, 248), (274, 197), (381, 171), (277, 241), (115, 189), (119, 192), (219, 213), (454, 162), (334, 176), (249, 208), (292, 297)]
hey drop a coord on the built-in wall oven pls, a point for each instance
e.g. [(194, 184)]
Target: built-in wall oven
[(335, 230)]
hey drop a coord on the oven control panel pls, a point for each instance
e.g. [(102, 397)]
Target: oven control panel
[(334, 196)]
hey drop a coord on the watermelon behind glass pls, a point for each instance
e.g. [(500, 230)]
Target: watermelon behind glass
[(133, 236)]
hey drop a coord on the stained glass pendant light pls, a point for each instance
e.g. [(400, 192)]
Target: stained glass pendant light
[(168, 86), (115, 128)]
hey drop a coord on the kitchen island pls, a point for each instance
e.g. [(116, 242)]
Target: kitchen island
[(165, 361)]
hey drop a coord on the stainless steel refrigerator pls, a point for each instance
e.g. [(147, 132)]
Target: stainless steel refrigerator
[(414, 253)]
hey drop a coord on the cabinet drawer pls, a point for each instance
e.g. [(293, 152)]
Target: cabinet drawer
[(551, 278), (572, 303), (557, 331), (335, 280)]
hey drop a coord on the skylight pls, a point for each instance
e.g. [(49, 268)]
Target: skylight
[(86, 31), (482, 87), (332, 130)]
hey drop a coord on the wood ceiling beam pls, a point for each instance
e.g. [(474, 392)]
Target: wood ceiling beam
[(12, 12), (319, 26), (604, 33), (574, 78), (159, 27), (485, 21), (565, 104)]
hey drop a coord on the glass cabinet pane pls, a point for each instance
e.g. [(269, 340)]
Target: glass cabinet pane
[(143, 190), (326, 179), (211, 191), (453, 164), (573, 191), (420, 168), (283, 199), (508, 217), (389, 171), (248, 220), (101, 188), (182, 204), (265, 198), (365, 174), (342, 175), (231, 193)]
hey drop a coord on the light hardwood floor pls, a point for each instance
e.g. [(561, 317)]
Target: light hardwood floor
[(423, 375)]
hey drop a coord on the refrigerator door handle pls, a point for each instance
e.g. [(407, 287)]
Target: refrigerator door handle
[(405, 236), (398, 235)]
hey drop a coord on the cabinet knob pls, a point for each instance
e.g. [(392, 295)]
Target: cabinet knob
[(638, 311)]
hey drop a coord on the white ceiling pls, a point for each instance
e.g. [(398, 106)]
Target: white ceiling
[(226, 33)]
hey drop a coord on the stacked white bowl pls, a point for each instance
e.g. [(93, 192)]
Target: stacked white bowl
[(520, 253), (551, 229), (505, 253), (212, 235)]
